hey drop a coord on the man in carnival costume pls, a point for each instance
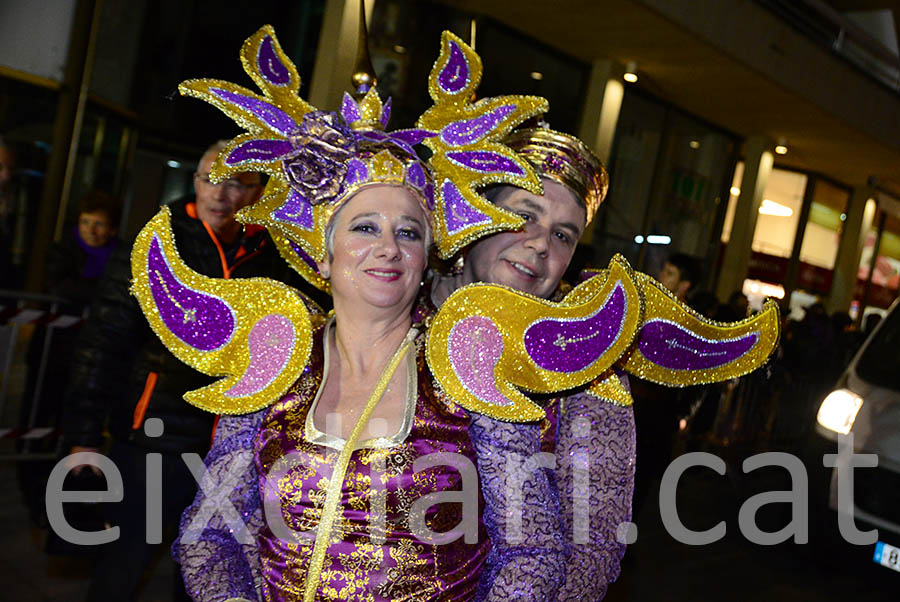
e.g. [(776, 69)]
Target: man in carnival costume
[(121, 372), (533, 259), (484, 347)]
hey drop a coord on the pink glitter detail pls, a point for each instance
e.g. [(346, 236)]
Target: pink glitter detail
[(475, 345), (271, 342)]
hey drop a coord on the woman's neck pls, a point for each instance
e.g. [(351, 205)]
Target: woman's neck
[(365, 344)]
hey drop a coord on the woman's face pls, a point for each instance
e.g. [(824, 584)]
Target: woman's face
[(378, 254), (95, 228)]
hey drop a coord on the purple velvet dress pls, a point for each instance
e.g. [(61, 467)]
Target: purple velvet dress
[(370, 559), (526, 546)]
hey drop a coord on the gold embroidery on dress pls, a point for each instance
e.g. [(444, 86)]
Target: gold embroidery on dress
[(406, 580)]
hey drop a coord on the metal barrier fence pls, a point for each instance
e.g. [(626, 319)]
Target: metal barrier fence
[(18, 309)]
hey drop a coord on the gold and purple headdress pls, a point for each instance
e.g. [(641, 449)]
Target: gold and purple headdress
[(317, 159), (564, 159), (256, 332)]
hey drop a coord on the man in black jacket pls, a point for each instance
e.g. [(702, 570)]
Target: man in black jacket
[(123, 378)]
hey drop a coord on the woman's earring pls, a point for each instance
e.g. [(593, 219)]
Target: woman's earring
[(458, 265)]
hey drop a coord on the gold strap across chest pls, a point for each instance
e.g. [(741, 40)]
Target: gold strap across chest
[(335, 484)]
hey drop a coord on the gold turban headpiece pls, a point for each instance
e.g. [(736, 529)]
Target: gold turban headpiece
[(564, 159)]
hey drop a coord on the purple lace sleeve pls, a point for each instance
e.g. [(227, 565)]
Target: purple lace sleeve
[(527, 556), (218, 556), (594, 499)]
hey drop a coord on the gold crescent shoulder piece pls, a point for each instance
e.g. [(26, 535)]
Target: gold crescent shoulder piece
[(255, 332), (488, 343), (678, 347)]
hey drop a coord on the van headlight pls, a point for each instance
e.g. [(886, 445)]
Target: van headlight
[(838, 411)]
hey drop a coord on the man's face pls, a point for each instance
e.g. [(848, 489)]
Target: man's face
[(670, 277), (7, 165), (217, 203), (535, 258)]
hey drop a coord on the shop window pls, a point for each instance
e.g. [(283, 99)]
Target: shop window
[(821, 238), (779, 213), (885, 279), (669, 174), (823, 229)]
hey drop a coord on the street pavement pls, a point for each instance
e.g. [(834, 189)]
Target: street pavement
[(659, 568)]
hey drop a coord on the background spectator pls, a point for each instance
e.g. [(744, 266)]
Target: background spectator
[(74, 268)]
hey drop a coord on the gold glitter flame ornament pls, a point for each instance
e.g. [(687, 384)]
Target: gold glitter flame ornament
[(255, 332), (467, 152), (678, 347), (488, 343)]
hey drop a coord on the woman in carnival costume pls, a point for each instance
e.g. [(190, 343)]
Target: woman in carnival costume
[(350, 206), (306, 495)]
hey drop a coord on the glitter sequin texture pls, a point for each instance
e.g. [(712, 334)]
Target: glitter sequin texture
[(508, 314), (678, 347), (269, 347), (296, 211), (616, 317), (304, 150), (461, 133), (255, 332), (571, 345), (468, 151), (458, 214), (475, 347), (200, 321), (669, 345)]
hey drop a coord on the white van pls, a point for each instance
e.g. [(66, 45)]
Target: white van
[(866, 404)]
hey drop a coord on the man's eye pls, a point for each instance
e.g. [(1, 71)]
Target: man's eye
[(526, 216), (564, 237)]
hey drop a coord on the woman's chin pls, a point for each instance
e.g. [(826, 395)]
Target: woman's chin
[(383, 302)]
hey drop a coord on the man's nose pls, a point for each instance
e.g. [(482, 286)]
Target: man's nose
[(537, 238), (219, 192)]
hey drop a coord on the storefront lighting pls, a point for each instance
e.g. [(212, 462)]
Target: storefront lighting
[(762, 289), (777, 209), (630, 74), (694, 144), (639, 239), (173, 164), (659, 239), (781, 147), (735, 191), (399, 49), (537, 75)]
